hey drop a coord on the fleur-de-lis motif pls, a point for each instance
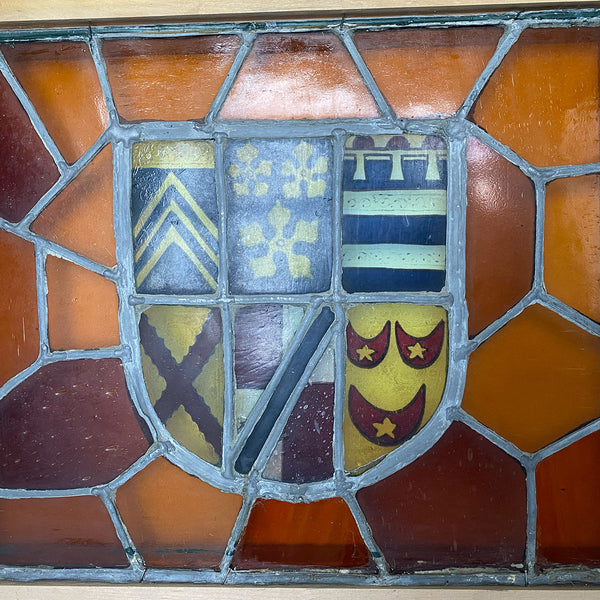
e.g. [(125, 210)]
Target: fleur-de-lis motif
[(279, 217), (247, 173), (304, 173)]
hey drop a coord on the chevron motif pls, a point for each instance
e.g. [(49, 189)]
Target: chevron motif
[(175, 229)]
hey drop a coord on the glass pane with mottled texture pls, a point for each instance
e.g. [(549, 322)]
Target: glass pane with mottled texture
[(182, 364), (282, 535), (168, 79), (397, 361), (82, 307), (279, 225), (500, 235), (568, 496), (572, 243), (298, 76), (175, 218), (19, 332), (535, 380), (461, 504), (394, 213), (262, 333), (69, 425), (544, 98), (58, 532), (304, 452), (176, 520), (81, 216), (62, 83), (27, 170), (427, 72)]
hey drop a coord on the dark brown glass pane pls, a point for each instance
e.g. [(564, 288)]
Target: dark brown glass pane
[(172, 79), (70, 425), (19, 334), (462, 504), (27, 170), (176, 520), (61, 80), (572, 243), (298, 76), (535, 380), (428, 71), (58, 532), (81, 216), (500, 235), (568, 497), (286, 535), (543, 100)]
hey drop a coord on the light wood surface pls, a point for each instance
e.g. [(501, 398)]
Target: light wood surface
[(27, 11)]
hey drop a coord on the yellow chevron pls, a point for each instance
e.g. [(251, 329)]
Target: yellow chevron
[(172, 180), (174, 237), (189, 226)]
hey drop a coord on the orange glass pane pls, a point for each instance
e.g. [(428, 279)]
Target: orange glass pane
[(572, 243), (19, 333), (173, 79), (81, 217), (59, 532), (463, 503), (428, 71), (176, 520), (61, 80), (82, 307), (535, 380), (319, 534), (568, 496), (298, 76), (500, 235), (544, 98)]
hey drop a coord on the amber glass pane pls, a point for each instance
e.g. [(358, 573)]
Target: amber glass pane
[(61, 80), (319, 534), (535, 380), (176, 520), (572, 243), (19, 334), (463, 503), (500, 235), (182, 364), (429, 71), (71, 424), (173, 79), (27, 170), (568, 496), (298, 76), (58, 532), (81, 217), (82, 307), (543, 100)]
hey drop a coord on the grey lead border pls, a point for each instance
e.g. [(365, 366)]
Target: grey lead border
[(456, 130)]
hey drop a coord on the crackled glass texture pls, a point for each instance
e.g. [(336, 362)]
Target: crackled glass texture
[(301, 303)]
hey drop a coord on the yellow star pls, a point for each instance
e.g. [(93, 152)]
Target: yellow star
[(365, 352), (386, 427), (416, 350)]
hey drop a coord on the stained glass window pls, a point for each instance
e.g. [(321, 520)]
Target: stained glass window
[(301, 302)]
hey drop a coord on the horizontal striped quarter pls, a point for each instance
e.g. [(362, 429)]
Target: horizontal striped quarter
[(395, 202), (394, 256)]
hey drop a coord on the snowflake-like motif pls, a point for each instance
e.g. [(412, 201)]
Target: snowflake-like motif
[(247, 173), (279, 217), (303, 173)]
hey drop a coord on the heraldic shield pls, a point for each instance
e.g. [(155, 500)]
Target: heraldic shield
[(241, 379)]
